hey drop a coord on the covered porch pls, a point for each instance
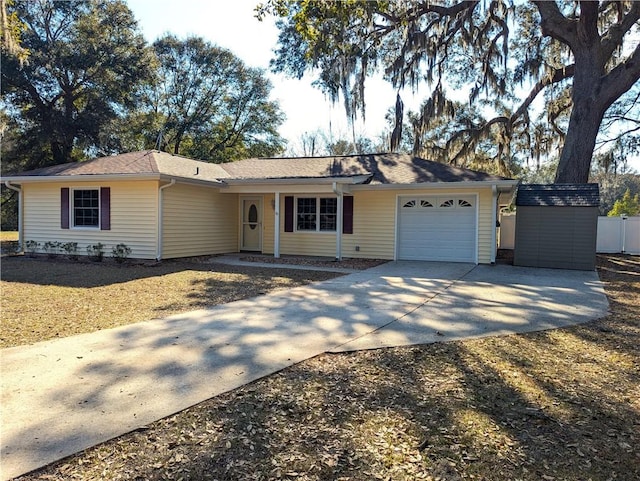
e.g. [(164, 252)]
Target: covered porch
[(294, 216)]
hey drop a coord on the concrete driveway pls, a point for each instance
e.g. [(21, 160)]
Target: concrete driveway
[(62, 396)]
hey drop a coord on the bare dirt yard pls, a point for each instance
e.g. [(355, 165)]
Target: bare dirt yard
[(554, 405)]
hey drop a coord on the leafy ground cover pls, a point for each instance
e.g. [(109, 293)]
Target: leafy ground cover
[(44, 298), (554, 405)]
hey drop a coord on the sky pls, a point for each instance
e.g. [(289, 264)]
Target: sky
[(231, 24)]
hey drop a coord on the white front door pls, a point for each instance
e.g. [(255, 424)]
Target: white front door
[(251, 235)]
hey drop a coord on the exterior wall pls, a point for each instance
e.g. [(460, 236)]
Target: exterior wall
[(297, 243), (268, 223), (556, 237), (486, 227), (374, 223), (198, 221), (133, 216), (374, 227)]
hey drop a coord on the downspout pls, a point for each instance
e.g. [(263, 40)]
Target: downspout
[(7, 183), (338, 191), (494, 227), (161, 218), (276, 232)]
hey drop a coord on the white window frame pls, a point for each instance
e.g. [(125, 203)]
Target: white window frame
[(317, 214), (72, 209)]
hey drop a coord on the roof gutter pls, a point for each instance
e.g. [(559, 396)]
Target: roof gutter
[(17, 189), (161, 218), (353, 180), (504, 184), (112, 177), (83, 178)]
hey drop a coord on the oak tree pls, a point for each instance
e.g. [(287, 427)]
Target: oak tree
[(206, 103), (86, 59), (578, 58)]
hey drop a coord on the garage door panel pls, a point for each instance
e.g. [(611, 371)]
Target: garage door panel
[(427, 231)]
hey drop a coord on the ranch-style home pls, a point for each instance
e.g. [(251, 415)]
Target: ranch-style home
[(382, 206)]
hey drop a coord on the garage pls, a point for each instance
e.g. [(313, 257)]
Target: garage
[(437, 228)]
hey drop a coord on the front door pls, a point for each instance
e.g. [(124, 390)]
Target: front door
[(251, 224)]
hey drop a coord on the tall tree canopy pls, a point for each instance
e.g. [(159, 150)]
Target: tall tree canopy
[(10, 32), (205, 103), (85, 61), (579, 57)]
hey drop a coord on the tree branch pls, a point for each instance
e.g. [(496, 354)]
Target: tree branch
[(588, 23), (621, 78), (612, 39), (555, 25), (557, 76)]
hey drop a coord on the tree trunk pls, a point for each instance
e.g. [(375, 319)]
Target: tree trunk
[(589, 106), (584, 124)]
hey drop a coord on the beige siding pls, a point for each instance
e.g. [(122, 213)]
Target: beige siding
[(305, 243), (485, 226), (308, 244), (268, 223), (294, 243), (133, 216), (374, 227), (374, 223), (198, 221)]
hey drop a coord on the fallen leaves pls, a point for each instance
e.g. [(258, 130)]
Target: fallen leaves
[(44, 299), (554, 406)]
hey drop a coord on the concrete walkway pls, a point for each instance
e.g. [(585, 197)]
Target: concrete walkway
[(62, 396), (236, 260)]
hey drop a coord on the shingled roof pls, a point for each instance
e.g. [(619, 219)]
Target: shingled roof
[(135, 163), (377, 168), (558, 195), (382, 169)]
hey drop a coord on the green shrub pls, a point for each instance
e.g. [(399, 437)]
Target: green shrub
[(51, 248), (31, 247), (628, 205), (120, 253), (96, 252), (71, 249)]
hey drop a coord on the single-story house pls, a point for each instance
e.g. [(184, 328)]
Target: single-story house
[(386, 206)]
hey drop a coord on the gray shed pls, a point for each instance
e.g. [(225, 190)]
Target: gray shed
[(556, 226)]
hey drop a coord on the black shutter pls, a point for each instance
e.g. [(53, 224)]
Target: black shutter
[(288, 214), (347, 214), (64, 208), (105, 208)]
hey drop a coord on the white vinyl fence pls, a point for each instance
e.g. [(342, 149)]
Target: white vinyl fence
[(618, 234), (507, 231), (615, 234)]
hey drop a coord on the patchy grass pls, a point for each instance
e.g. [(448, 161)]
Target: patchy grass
[(8, 242), (555, 405), (44, 299), (8, 236)]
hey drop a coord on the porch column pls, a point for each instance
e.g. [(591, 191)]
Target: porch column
[(276, 230), (338, 191), (494, 227)]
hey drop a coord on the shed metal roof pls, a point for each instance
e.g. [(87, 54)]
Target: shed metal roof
[(558, 195)]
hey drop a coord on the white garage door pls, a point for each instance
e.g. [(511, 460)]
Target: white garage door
[(437, 228)]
